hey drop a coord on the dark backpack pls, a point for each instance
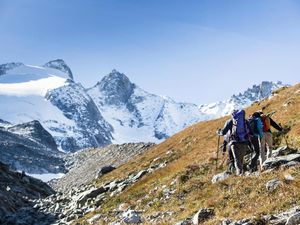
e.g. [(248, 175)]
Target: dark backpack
[(240, 131), (253, 125)]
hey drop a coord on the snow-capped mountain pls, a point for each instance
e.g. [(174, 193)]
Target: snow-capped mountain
[(115, 110), (49, 94), (242, 100), (138, 115)]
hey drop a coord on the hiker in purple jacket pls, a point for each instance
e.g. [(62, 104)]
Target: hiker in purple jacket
[(239, 138)]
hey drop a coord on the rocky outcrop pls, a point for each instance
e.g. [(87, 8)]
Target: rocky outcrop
[(60, 64), (36, 132), (104, 170), (271, 185), (286, 160), (17, 194), (30, 148)]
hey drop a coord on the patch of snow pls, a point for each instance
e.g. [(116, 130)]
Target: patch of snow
[(47, 176), (32, 87)]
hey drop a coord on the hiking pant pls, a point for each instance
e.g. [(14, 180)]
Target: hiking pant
[(230, 161), (255, 141), (239, 150), (267, 140)]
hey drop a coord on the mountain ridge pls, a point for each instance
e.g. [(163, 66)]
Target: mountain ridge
[(114, 110)]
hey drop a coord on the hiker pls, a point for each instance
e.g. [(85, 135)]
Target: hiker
[(239, 138), (267, 139), (257, 134), (225, 145)]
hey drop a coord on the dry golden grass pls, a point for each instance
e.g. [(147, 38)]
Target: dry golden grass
[(192, 164)]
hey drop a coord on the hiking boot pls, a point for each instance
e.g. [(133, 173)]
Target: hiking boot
[(231, 168), (251, 169)]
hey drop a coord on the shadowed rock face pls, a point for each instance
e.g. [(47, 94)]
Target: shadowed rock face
[(117, 88), (35, 131), (60, 64), (30, 148), (17, 193)]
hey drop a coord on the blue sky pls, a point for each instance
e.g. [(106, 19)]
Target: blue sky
[(194, 51)]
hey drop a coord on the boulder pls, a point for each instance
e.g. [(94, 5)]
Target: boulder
[(281, 151), (288, 177), (131, 216), (294, 219), (274, 162), (139, 175), (203, 215), (221, 176), (92, 193), (271, 185), (105, 170)]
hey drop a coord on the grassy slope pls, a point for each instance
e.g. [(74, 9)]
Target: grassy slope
[(192, 165)]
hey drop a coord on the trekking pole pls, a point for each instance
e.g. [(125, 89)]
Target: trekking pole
[(218, 151), (286, 142), (284, 136), (223, 160)]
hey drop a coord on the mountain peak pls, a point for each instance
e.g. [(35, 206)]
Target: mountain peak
[(116, 88), (260, 91), (9, 66), (61, 65), (116, 75)]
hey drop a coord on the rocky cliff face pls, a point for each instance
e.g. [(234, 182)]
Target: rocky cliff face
[(29, 147), (35, 131)]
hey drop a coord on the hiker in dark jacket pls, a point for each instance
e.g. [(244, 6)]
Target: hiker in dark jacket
[(239, 138), (267, 139), (257, 134)]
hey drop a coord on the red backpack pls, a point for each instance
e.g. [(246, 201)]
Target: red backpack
[(266, 122)]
